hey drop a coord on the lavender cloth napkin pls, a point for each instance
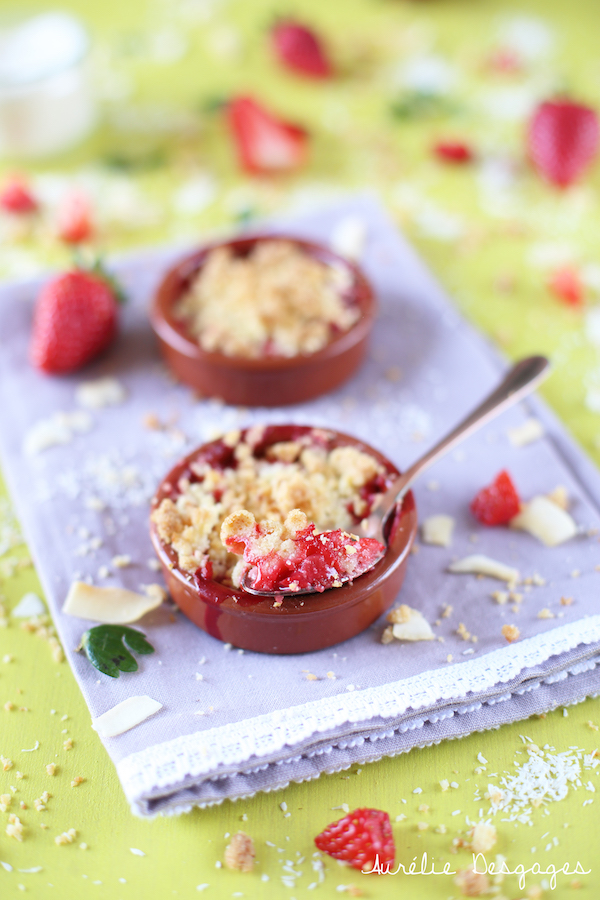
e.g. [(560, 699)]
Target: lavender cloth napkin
[(235, 722)]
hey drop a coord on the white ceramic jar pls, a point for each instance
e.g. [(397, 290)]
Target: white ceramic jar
[(46, 102)]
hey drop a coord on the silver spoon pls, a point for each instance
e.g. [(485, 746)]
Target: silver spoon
[(520, 381)]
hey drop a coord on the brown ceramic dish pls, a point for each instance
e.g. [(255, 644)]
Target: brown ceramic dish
[(302, 624), (267, 381)]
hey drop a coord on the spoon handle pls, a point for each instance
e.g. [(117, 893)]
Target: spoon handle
[(520, 381)]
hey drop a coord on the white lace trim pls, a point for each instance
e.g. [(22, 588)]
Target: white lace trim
[(176, 807), (194, 756)]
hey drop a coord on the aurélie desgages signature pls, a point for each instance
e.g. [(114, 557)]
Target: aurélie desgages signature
[(481, 867)]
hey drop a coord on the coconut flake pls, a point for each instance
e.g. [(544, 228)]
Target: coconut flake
[(113, 605), (409, 624), (592, 326), (438, 530), (348, 237), (530, 431), (125, 715), (546, 521), (29, 605), (484, 565), (99, 393), (60, 428)]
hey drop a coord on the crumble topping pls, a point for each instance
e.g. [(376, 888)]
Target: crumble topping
[(327, 486), (277, 300), (407, 624), (239, 853), (273, 535), (511, 633)]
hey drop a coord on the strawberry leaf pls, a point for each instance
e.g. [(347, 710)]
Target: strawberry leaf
[(94, 265), (105, 647)]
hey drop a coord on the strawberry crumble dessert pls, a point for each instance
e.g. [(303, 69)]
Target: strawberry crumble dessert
[(276, 300), (310, 490)]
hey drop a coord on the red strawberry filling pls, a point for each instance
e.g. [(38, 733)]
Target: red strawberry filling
[(498, 503), (294, 556), (361, 838), (264, 142)]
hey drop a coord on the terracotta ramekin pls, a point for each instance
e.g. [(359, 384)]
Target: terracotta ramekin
[(268, 381), (300, 624)]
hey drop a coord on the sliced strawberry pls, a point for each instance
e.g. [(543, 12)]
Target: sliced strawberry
[(300, 49), (265, 143), (567, 285), (16, 197), (75, 319), (563, 140), (505, 60), (453, 151), (74, 219), (498, 503), (359, 838)]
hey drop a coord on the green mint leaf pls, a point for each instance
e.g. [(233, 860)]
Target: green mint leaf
[(422, 105), (106, 648)]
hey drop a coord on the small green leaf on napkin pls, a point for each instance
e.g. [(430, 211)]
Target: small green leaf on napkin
[(104, 646)]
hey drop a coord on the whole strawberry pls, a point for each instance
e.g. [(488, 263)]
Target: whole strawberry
[(359, 839), (75, 319), (300, 49), (563, 140), (16, 197)]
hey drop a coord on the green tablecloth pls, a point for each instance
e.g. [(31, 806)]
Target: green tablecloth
[(160, 168)]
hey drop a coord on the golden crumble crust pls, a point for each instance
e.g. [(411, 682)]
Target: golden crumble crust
[(312, 486), (278, 296)]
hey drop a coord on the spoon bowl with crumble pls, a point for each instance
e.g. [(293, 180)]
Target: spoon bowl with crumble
[(307, 561)]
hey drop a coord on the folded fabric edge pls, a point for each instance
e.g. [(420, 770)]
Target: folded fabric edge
[(219, 751), (534, 699)]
